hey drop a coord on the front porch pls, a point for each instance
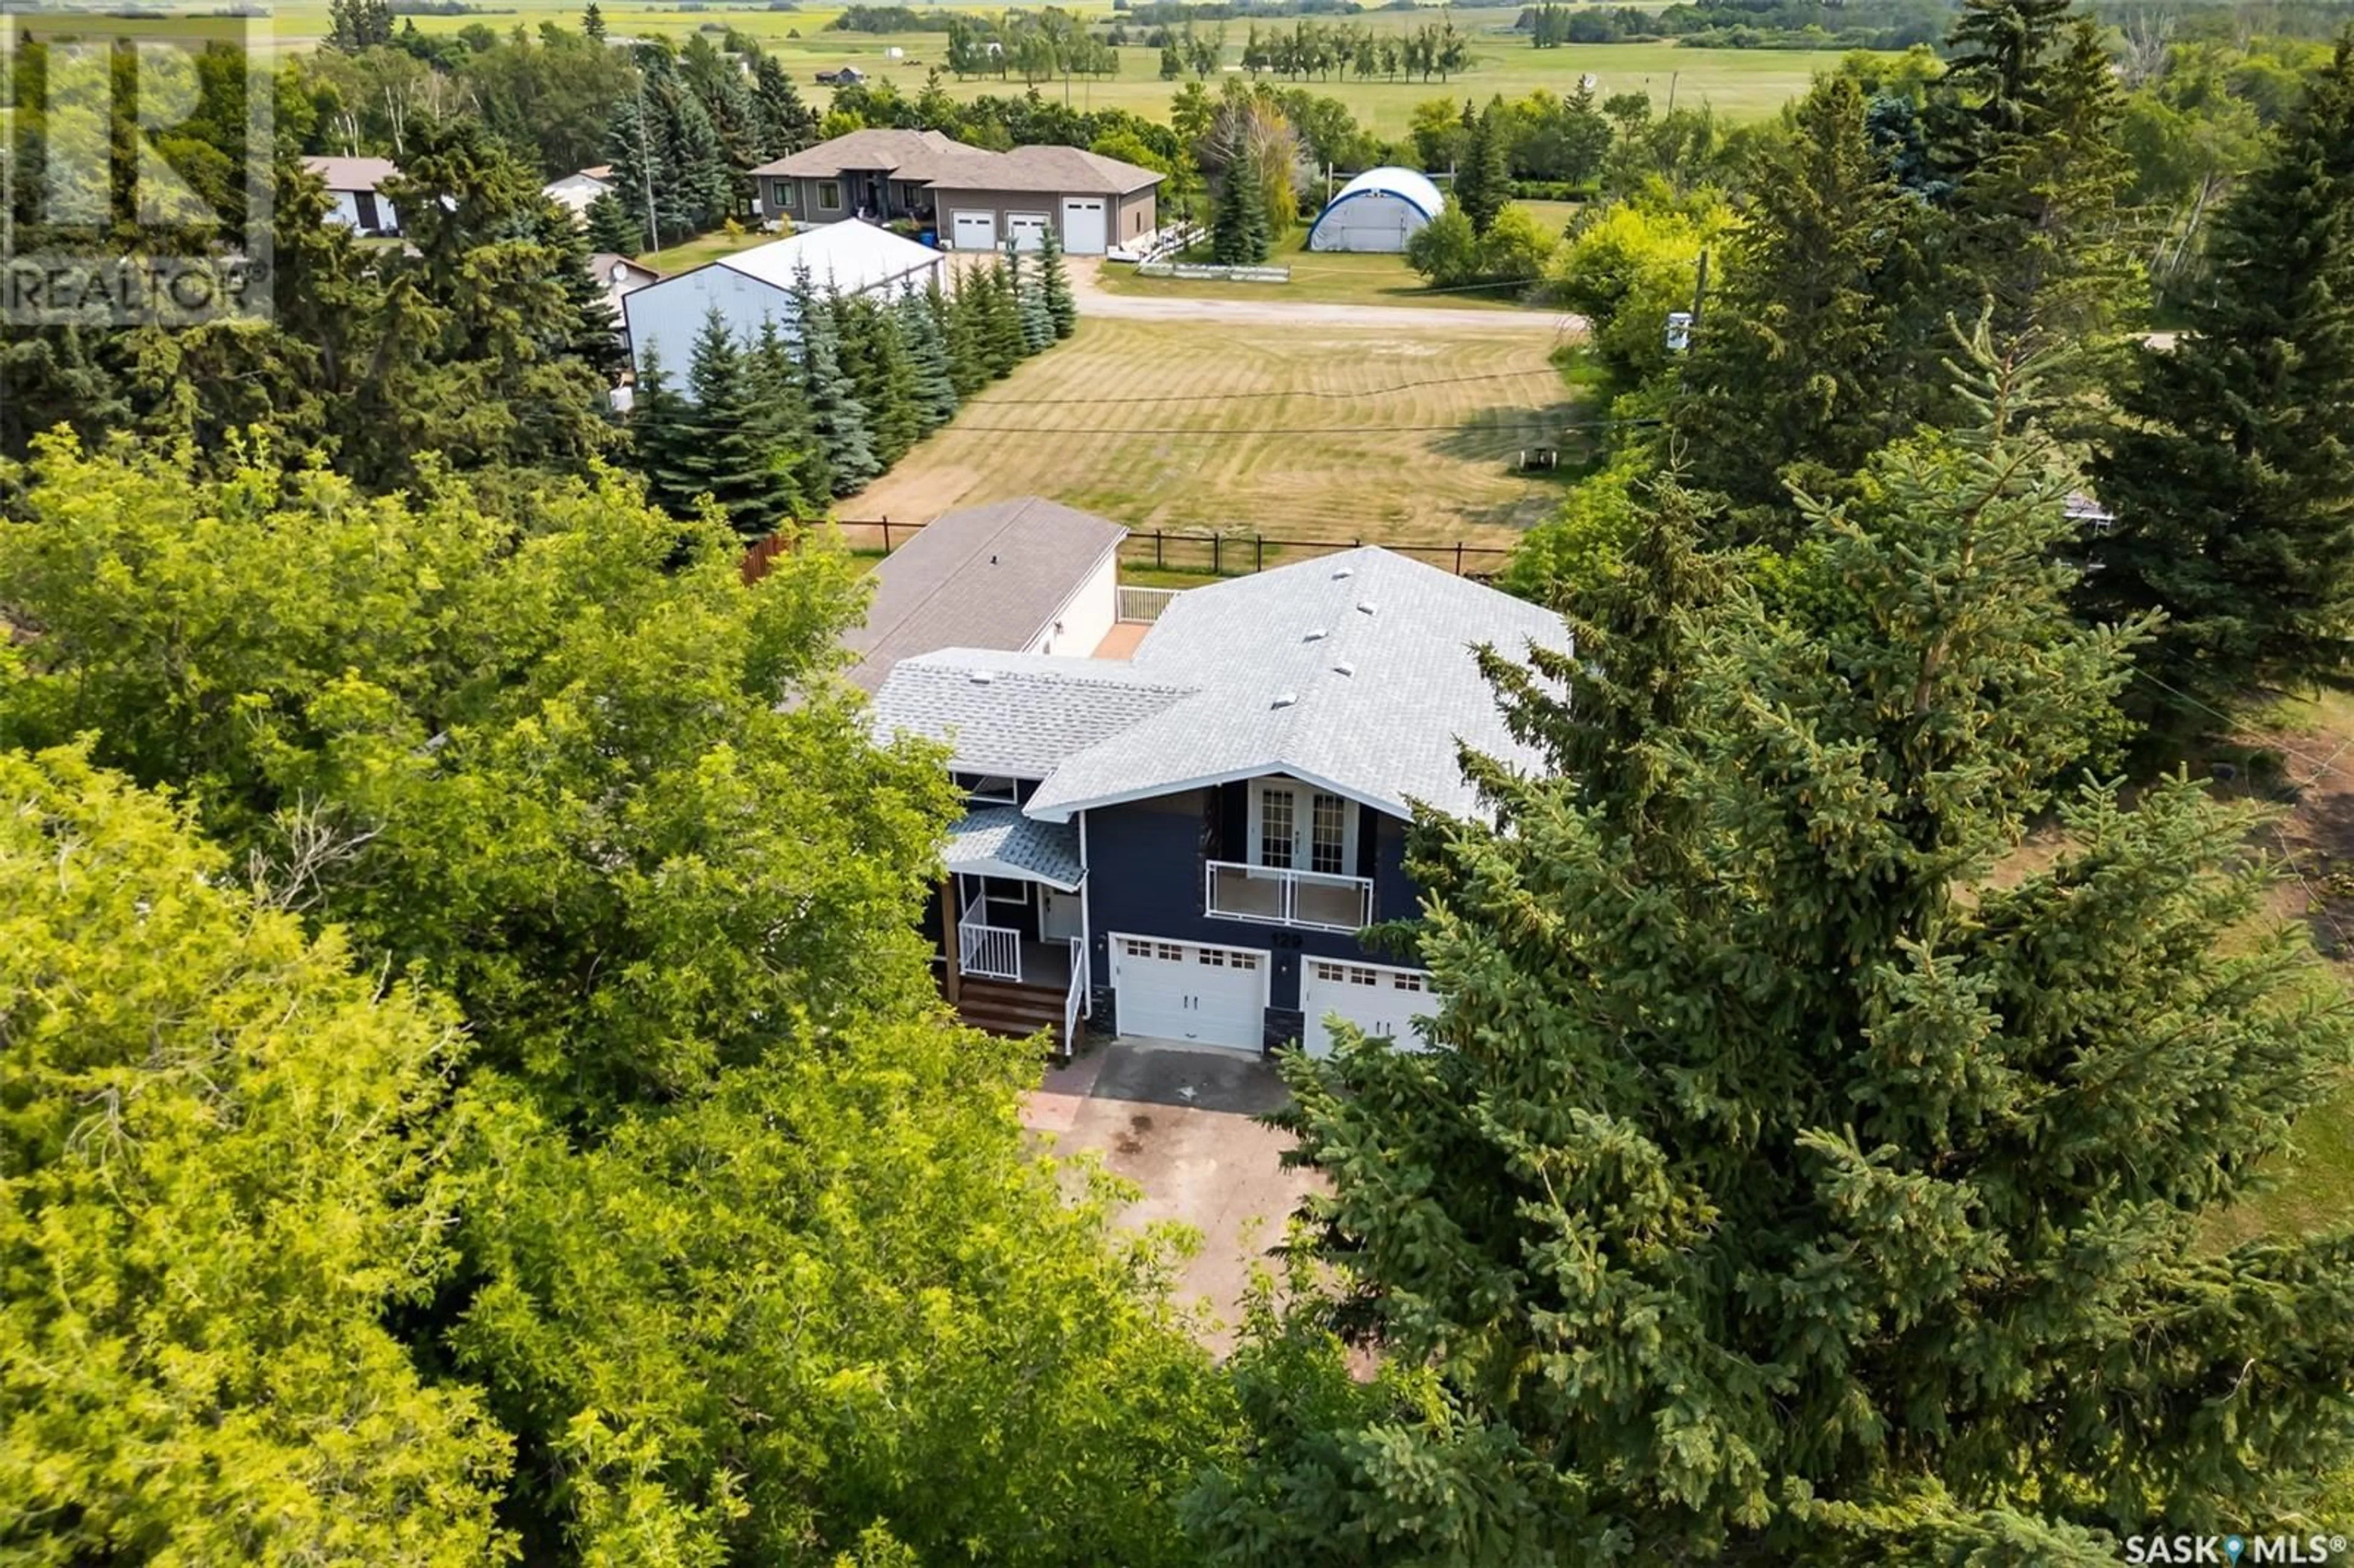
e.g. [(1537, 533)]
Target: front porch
[(1012, 957)]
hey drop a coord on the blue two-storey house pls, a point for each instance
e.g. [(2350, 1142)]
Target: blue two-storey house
[(1185, 843)]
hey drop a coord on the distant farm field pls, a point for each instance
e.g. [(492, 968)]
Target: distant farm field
[(1320, 432), (1740, 83)]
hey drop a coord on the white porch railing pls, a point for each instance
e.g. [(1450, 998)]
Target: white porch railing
[(1274, 897), (1075, 998), (1145, 604), (986, 952)]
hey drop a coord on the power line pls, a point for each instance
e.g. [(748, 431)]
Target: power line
[(1533, 421), (1238, 396)]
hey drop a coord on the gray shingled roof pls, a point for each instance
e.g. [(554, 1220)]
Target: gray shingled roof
[(999, 841), (1354, 672), (879, 147), (1042, 168), (1018, 714), (988, 576)]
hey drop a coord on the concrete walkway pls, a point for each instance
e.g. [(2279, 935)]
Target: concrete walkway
[(1180, 1122)]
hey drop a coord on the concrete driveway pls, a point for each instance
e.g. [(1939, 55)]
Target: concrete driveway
[(1277, 311), (1180, 1122)]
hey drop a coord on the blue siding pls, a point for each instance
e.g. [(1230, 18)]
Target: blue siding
[(1144, 879)]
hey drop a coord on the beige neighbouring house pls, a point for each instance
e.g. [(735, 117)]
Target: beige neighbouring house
[(974, 199), (352, 192)]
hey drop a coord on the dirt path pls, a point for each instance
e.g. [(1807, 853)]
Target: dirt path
[(1277, 312)]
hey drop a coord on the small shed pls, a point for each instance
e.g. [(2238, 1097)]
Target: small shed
[(1378, 210)]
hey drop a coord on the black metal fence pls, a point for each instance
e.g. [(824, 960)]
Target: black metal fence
[(1216, 553)]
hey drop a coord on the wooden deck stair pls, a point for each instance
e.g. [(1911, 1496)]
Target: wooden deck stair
[(1003, 1007)]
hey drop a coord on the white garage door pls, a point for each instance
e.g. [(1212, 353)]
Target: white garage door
[(1083, 226), (1376, 1000), (973, 230), (1182, 990), (1026, 230)]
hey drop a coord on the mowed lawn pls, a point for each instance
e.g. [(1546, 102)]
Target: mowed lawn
[(1312, 432), (1322, 277)]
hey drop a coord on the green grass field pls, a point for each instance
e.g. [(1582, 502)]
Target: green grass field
[(1323, 279), (1740, 83), (1383, 434)]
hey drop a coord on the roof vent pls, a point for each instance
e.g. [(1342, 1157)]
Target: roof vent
[(984, 677), (1365, 607), (1341, 572), (1344, 668), (1318, 635), (1284, 699)]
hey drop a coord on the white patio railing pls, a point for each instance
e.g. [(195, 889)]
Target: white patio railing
[(986, 952), (1075, 998), (1274, 897), (1145, 604)]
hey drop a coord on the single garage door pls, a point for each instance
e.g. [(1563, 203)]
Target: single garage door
[(973, 230), (1379, 1001), (1184, 990), (1083, 226), (1026, 230)]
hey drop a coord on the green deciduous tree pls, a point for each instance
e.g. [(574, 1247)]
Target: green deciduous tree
[(2232, 472), (1792, 1179), (756, 1264), (221, 1169)]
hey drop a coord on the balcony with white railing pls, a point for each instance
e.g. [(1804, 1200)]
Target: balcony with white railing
[(1273, 896)]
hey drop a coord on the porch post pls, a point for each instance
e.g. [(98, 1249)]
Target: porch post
[(952, 978)]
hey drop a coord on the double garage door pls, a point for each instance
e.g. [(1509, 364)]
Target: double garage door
[(1378, 1000), (1186, 991)]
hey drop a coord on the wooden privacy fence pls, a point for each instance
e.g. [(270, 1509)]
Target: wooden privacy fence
[(1195, 552)]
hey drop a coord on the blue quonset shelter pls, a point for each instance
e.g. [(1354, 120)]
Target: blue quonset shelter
[(1381, 209)]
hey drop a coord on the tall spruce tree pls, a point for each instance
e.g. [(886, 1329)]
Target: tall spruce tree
[(609, 228), (2031, 112), (964, 329), (1792, 1181), (1483, 184), (1239, 225), (2232, 472), (877, 359), (775, 374), (1795, 374), (1030, 301), (837, 419), (1054, 283), (920, 328), (996, 299), (727, 441)]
